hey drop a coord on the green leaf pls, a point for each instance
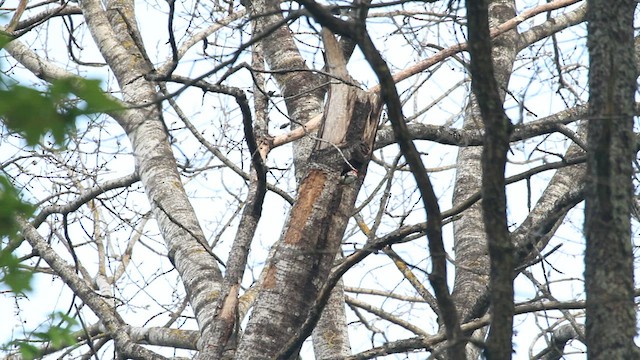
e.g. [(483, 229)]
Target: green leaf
[(59, 335), (33, 113), (89, 90), (28, 351), (16, 278), (11, 274), (5, 38), (11, 206)]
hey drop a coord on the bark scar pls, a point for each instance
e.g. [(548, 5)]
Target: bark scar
[(310, 190)]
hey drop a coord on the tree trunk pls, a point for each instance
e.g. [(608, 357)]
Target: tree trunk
[(497, 131), (316, 223), (470, 240), (611, 319), (117, 37), (330, 337), (303, 92)]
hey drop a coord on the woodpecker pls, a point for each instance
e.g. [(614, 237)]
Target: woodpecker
[(349, 177)]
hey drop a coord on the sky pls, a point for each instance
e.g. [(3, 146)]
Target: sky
[(207, 112)]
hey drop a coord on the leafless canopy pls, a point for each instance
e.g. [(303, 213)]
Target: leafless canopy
[(331, 180)]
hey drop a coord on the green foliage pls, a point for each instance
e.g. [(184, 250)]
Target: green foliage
[(34, 113), (11, 274), (10, 206), (61, 334), (5, 39), (57, 336), (27, 350)]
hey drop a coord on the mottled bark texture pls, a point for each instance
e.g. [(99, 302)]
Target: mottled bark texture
[(302, 90), (304, 255), (116, 35), (611, 319), (330, 337), (494, 202), (303, 93), (470, 240), (559, 338)]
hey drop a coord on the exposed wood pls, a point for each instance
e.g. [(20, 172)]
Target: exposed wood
[(305, 253)]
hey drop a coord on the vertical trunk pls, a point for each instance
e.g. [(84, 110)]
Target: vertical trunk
[(470, 241), (497, 129), (304, 94), (118, 41), (301, 90), (611, 321), (220, 339), (330, 337), (305, 253)]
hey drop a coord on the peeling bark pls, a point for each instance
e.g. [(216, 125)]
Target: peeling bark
[(302, 90), (316, 223), (335, 141)]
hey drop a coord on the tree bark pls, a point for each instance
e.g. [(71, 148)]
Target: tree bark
[(316, 223), (303, 92), (330, 337), (611, 318), (118, 40), (470, 240), (494, 200), (293, 276)]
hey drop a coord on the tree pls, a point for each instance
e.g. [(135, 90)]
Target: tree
[(611, 317), (239, 192)]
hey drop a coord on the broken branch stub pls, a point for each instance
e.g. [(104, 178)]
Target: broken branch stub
[(350, 117), (316, 223)]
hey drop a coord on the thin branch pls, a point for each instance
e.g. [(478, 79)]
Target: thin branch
[(412, 279), (85, 197), (22, 5), (111, 319), (438, 277), (429, 342), (423, 65), (385, 315), (201, 36)]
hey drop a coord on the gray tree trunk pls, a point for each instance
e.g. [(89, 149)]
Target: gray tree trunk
[(117, 37), (497, 131), (304, 95), (470, 242), (303, 257), (611, 318)]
